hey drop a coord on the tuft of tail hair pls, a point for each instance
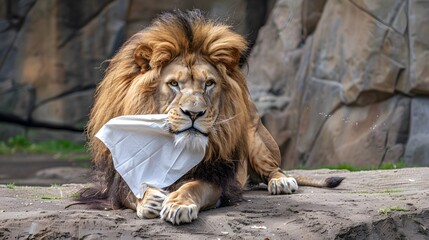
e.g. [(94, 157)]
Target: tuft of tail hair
[(95, 198), (102, 195)]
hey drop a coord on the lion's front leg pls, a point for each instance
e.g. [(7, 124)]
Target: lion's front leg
[(149, 206), (264, 158), (183, 205), (279, 183)]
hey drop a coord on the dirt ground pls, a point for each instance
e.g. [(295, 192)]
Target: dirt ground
[(388, 204)]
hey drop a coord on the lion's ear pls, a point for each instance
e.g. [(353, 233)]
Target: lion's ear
[(225, 47), (142, 56)]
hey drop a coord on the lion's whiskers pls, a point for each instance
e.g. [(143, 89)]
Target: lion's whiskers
[(225, 120)]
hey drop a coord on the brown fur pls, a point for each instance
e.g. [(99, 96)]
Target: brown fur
[(238, 142)]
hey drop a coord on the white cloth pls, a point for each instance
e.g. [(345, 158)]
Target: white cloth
[(144, 153)]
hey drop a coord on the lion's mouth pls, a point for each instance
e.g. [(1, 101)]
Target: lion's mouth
[(192, 130), (192, 138)]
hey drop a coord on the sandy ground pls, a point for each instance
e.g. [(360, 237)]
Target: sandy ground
[(389, 204)]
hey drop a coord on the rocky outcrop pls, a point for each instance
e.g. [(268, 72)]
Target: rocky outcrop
[(53, 53), (51, 61), (350, 90), (334, 81)]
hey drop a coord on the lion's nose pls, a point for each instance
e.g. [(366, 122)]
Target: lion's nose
[(193, 114)]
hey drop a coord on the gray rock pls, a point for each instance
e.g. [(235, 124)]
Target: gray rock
[(69, 111), (40, 134), (9, 130), (82, 54), (274, 59), (354, 68), (53, 53), (311, 13), (361, 135), (417, 150), (316, 65), (16, 101), (142, 12), (344, 52), (417, 81)]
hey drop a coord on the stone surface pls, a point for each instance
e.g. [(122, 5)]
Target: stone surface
[(390, 204), (66, 111), (311, 13), (17, 100), (142, 12), (275, 57), (417, 151), (51, 57), (417, 80), (38, 134), (360, 135), (81, 55), (346, 96), (53, 53), (10, 130), (315, 64), (346, 53)]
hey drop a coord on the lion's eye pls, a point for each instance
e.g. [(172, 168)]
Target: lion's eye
[(210, 82), (173, 83)]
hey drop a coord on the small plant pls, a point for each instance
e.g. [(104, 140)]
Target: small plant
[(14, 143), (387, 210), (75, 195), (48, 197), (11, 185)]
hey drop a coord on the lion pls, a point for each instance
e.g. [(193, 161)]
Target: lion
[(187, 66)]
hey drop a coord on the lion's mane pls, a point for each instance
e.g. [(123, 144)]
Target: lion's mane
[(130, 86)]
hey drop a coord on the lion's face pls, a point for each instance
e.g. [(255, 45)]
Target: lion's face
[(190, 95), (187, 69)]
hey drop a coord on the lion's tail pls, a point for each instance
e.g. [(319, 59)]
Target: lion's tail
[(94, 198), (107, 191), (330, 182)]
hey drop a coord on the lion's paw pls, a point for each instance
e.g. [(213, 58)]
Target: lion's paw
[(178, 212), (282, 185), (151, 204)]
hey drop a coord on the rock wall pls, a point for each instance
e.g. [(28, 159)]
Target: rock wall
[(345, 81), (334, 81), (52, 55), (50, 63)]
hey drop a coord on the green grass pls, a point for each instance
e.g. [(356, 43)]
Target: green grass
[(49, 197), (387, 210), (75, 195), (22, 144), (342, 166), (11, 185)]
